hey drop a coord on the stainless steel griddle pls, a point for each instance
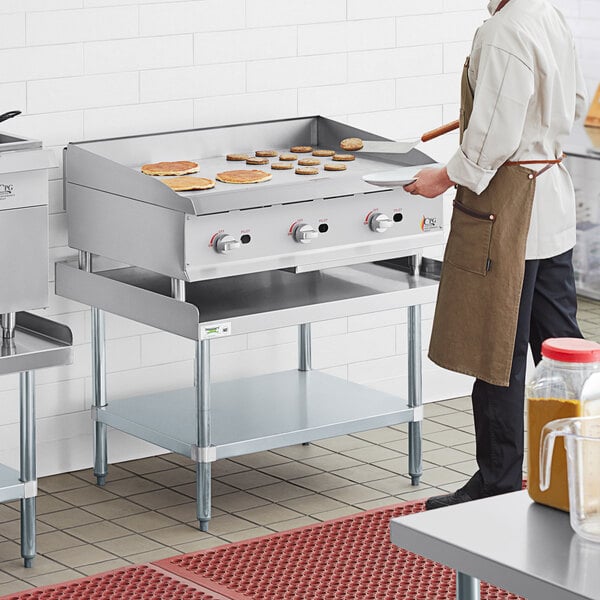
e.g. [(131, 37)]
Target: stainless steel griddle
[(244, 258), (28, 342)]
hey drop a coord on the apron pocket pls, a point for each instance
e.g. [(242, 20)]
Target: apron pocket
[(468, 246)]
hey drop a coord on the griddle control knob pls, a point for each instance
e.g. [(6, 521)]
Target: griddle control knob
[(380, 223), (225, 243), (304, 233)]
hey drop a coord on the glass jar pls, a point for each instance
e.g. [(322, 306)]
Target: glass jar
[(557, 391)]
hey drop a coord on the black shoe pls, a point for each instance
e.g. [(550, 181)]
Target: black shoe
[(457, 497)]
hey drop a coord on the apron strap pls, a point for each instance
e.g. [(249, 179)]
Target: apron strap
[(549, 164)]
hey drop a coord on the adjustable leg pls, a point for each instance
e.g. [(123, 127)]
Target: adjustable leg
[(415, 394), (467, 587), (304, 351), (28, 469), (203, 433)]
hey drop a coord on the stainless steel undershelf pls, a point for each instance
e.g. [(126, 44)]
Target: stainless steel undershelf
[(11, 488), (38, 343), (252, 302), (258, 413)]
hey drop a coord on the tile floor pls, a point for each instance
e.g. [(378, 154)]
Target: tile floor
[(147, 509)]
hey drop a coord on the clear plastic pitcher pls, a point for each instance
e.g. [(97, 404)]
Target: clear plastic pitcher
[(582, 443)]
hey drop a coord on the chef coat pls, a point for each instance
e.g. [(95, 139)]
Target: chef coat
[(528, 90)]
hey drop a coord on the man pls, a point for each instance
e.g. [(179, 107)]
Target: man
[(507, 279)]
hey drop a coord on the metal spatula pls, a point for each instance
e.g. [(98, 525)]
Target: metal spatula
[(404, 147)]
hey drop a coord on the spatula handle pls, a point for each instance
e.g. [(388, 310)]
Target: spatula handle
[(434, 133)]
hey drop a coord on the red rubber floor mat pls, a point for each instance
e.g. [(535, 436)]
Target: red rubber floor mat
[(129, 583), (346, 559)]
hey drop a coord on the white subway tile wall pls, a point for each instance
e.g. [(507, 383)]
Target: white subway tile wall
[(83, 69)]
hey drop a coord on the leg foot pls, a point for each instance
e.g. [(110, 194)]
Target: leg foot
[(415, 480), (203, 525), (28, 562), (306, 443), (101, 480)]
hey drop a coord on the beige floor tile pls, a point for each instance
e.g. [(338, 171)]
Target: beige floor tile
[(260, 460), (113, 509), (226, 467), (114, 472), (146, 521), (291, 470), (69, 518), (342, 443), (41, 566), (445, 456), (173, 477), (321, 482), (128, 545), (131, 485), (161, 498), (228, 524), (5, 577), (9, 551), (381, 436), (247, 534), (363, 473), (196, 546), (238, 501), (283, 490), (371, 453), (86, 495), (345, 511), (183, 513), (48, 504), (402, 447), (450, 437), (432, 426), (57, 577), (219, 488), (13, 586), (456, 419), (332, 462), (293, 524), (178, 459), (7, 513), (102, 567), (378, 503), (300, 452), (248, 480), (354, 494), (395, 485), (439, 476), (421, 494), (80, 555), (468, 448), (463, 403), (188, 490), (271, 513), (176, 535), (146, 465), (434, 409), (467, 467), (56, 540), (399, 465), (98, 532), (311, 505), (60, 483), (12, 529)]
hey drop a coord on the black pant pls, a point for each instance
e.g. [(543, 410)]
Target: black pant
[(548, 309)]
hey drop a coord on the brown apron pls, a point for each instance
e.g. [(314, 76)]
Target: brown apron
[(475, 322)]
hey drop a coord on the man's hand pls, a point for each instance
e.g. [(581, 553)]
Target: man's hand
[(430, 183)]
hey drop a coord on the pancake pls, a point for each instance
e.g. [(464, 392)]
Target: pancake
[(237, 157), (301, 149), (184, 184), (257, 160), (307, 171), (309, 162), (351, 144), (179, 167), (323, 153), (243, 176), (282, 166), (335, 167), (287, 156), (344, 157), (266, 153)]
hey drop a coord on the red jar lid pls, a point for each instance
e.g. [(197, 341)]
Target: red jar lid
[(571, 350)]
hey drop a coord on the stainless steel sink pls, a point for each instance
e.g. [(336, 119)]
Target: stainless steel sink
[(12, 142)]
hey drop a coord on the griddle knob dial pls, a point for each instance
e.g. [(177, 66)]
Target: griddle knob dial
[(380, 223), (225, 243), (304, 233)]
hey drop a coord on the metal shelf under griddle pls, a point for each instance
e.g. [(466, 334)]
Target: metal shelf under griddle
[(11, 487), (38, 343), (252, 302), (258, 413)]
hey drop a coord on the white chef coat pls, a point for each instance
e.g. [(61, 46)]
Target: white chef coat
[(529, 90)]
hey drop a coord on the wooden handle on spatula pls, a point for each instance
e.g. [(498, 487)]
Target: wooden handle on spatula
[(434, 133)]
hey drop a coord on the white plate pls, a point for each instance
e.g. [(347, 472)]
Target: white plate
[(398, 177)]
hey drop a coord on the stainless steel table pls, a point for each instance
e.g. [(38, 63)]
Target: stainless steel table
[(509, 542)]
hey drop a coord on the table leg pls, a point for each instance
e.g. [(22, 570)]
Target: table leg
[(467, 587), (415, 393), (99, 394), (203, 434), (28, 468), (304, 351)]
